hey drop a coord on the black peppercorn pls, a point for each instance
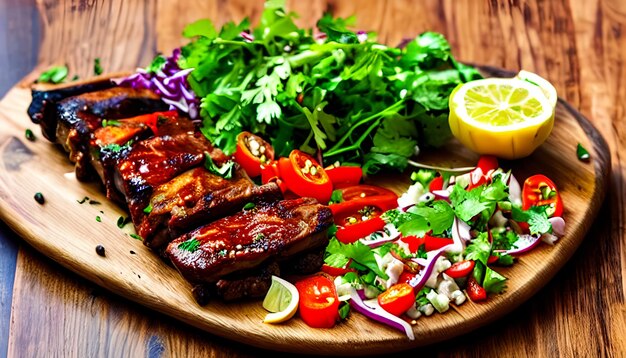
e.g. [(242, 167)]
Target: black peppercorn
[(39, 198), (100, 250)]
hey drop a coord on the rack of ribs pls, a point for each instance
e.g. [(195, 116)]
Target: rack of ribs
[(153, 162)]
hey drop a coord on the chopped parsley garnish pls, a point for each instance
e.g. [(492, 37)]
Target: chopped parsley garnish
[(222, 253), (97, 67), (249, 206), (136, 237), (94, 202), (29, 135), (225, 171), (148, 209), (122, 221), (111, 123), (190, 245), (83, 200), (54, 75), (582, 153), (98, 218), (336, 197)]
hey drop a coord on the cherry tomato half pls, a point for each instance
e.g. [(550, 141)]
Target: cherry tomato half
[(305, 177), (475, 291), (539, 190), (319, 303), (343, 176), (436, 184), (460, 269), (251, 152), (397, 299)]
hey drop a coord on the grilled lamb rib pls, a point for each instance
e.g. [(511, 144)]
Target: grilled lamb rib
[(247, 239), (45, 97), (79, 116)]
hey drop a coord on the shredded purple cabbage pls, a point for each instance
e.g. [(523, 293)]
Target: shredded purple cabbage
[(169, 82)]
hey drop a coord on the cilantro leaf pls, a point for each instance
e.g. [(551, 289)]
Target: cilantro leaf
[(493, 281), (225, 171), (358, 252)]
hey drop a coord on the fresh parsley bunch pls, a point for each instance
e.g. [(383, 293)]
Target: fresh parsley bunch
[(337, 93)]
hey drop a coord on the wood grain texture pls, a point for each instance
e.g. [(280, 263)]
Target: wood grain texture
[(578, 45)]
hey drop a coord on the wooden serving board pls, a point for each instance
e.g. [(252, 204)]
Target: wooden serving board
[(68, 232)]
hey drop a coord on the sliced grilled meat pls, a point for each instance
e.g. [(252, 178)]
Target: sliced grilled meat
[(79, 116), (43, 107), (245, 240), (238, 286), (155, 161), (219, 197), (112, 142)]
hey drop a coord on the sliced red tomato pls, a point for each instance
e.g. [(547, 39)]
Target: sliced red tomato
[(406, 276), (436, 184), (305, 177), (413, 242), (397, 299), (482, 173), (319, 303), (252, 151), (344, 176), (460, 269), (337, 271), (475, 291), (539, 190), (492, 259), (434, 243)]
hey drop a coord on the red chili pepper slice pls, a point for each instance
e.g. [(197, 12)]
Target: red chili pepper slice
[(252, 151), (305, 177), (344, 176)]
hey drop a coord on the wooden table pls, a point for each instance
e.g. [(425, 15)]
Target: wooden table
[(46, 310)]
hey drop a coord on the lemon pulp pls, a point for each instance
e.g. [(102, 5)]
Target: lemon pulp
[(505, 117)]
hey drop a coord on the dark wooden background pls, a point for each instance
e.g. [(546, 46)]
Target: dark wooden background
[(46, 310)]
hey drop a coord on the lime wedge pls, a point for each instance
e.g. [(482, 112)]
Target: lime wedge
[(281, 300)]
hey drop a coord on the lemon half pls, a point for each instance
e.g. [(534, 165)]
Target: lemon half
[(505, 117), (281, 300)]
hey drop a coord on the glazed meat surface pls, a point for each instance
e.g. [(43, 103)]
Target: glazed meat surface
[(245, 240), (79, 116), (43, 106), (217, 196)]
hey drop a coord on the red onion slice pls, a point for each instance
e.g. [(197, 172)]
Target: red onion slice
[(515, 191), (558, 225), (418, 281), (372, 309)]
